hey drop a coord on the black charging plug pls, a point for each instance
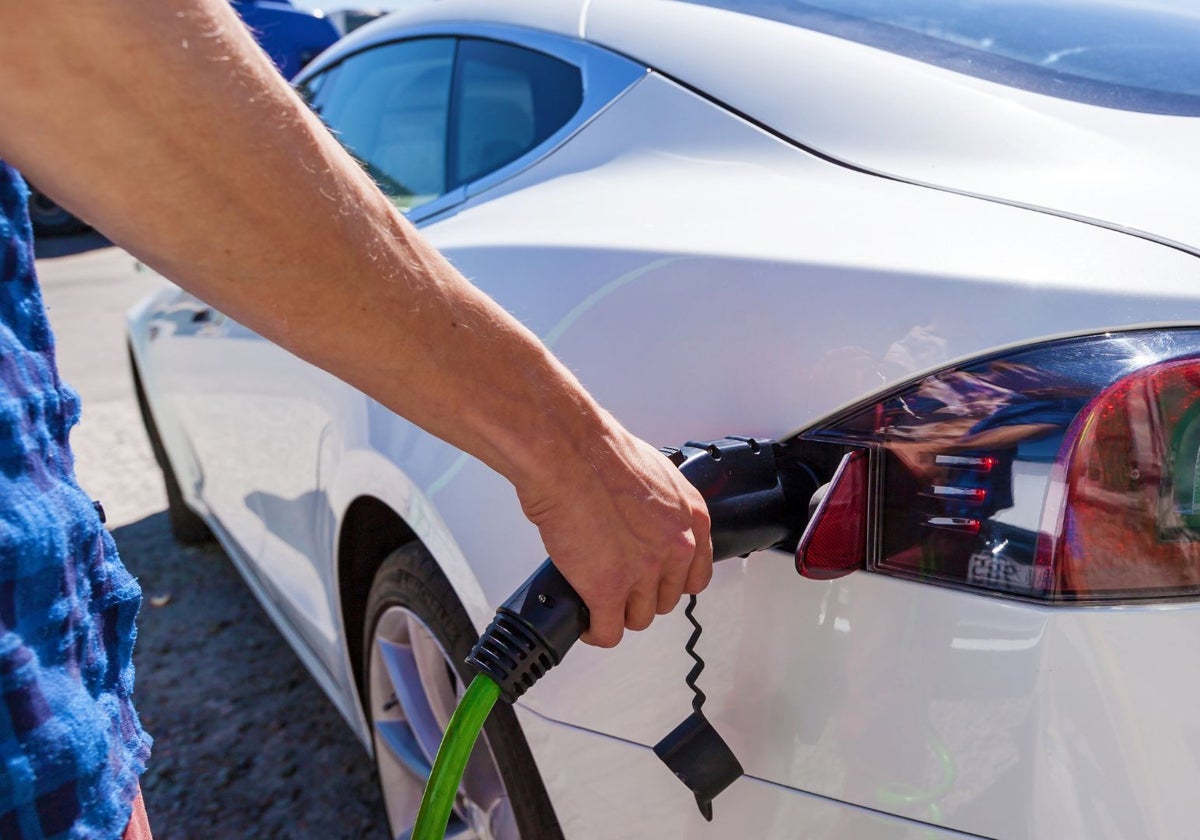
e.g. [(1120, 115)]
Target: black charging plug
[(531, 633), (750, 505)]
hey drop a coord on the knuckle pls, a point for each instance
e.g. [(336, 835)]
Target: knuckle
[(699, 578), (687, 543), (639, 623), (681, 549), (667, 605), (607, 639)]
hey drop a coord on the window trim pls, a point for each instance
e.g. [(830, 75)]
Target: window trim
[(605, 76)]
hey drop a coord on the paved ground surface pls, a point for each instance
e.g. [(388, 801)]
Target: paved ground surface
[(246, 745)]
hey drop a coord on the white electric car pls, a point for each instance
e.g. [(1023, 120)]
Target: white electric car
[(947, 252)]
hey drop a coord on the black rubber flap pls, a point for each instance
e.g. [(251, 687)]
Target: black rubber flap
[(698, 755)]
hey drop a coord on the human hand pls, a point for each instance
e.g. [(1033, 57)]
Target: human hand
[(628, 532)]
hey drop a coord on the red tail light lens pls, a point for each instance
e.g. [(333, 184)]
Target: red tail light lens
[(1069, 471), (1130, 514), (836, 543)]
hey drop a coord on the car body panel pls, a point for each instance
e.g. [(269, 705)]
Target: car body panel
[(991, 717), (698, 386), (621, 788), (256, 416)]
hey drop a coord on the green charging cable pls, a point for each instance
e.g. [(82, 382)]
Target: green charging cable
[(461, 734)]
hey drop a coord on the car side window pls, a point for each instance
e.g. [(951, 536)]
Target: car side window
[(507, 100), (390, 107)]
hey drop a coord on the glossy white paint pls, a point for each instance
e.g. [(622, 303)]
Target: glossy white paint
[(899, 116), (997, 718), (777, 286), (617, 793), (704, 277)]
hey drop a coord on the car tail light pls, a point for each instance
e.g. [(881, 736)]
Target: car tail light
[(837, 541), (1065, 471)]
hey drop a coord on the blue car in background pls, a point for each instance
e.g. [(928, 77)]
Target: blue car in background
[(291, 36)]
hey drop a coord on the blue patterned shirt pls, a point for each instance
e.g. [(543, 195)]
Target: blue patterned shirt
[(71, 746)]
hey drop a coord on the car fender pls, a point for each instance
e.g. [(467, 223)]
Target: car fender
[(361, 472)]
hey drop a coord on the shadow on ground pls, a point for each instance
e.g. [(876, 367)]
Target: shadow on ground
[(48, 247), (246, 744)]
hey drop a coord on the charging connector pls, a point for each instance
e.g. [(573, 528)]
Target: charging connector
[(752, 506), (531, 633)]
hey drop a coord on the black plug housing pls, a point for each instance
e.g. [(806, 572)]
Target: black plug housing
[(531, 633), (753, 503)]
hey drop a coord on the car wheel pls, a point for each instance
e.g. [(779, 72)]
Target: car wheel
[(186, 525), (49, 218), (419, 636)]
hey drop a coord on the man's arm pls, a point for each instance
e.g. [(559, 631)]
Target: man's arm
[(162, 122)]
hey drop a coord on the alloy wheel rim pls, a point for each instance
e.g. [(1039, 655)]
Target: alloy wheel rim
[(413, 691)]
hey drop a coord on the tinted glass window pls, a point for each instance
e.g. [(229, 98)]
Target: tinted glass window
[(507, 100), (390, 108), (1140, 56)]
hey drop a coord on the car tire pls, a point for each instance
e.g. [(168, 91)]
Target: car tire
[(49, 218), (186, 525), (418, 637)]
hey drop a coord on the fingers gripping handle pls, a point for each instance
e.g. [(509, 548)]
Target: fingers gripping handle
[(750, 510)]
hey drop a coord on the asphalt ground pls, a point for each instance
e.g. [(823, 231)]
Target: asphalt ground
[(246, 744)]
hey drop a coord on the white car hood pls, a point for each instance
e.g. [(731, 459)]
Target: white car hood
[(896, 116)]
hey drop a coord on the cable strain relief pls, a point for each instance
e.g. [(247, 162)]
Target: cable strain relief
[(512, 654)]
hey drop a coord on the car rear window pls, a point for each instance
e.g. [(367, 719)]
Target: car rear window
[(1141, 56)]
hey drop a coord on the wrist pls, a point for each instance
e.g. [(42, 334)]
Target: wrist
[(570, 440)]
